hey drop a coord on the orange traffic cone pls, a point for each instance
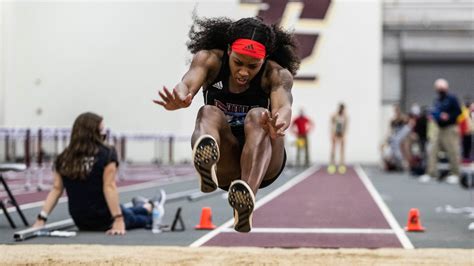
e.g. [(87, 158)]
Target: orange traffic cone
[(206, 220), (414, 222)]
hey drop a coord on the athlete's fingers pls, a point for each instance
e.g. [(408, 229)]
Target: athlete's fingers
[(279, 125), (163, 96), (159, 102), (168, 94), (274, 134), (275, 117), (268, 115), (264, 117), (164, 88), (158, 90)]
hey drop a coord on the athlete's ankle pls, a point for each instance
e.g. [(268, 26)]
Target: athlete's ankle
[(253, 188)]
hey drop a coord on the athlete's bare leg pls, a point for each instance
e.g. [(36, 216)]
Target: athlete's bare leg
[(211, 121), (262, 157)]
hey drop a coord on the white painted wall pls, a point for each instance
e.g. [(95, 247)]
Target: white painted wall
[(64, 58), (349, 66), (2, 66)]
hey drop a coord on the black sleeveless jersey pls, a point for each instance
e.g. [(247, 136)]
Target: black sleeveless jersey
[(235, 105)]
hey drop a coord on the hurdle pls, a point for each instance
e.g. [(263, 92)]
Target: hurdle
[(34, 232), (37, 147), (11, 197), (122, 139), (34, 140)]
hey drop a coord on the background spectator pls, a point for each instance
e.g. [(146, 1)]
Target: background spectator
[(339, 122), (301, 126), (87, 169), (445, 111)]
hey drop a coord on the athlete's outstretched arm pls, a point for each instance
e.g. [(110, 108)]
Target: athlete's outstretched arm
[(281, 100), (182, 94)]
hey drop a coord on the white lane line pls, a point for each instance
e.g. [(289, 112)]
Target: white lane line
[(308, 172), (139, 186), (316, 230), (402, 237)]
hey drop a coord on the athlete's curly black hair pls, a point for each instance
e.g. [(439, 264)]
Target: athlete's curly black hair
[(219, 33)]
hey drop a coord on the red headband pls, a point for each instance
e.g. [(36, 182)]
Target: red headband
[(249, 47)]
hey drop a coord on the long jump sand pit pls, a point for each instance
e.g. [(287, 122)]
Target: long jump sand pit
[(151, 255)]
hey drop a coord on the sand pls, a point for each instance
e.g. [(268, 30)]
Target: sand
[(155, 255)]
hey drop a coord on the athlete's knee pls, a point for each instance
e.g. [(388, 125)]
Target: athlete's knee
[(254, 116), (209, 111)]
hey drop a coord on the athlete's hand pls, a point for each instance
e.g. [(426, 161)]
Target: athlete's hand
[(175, 100), (274, 126)]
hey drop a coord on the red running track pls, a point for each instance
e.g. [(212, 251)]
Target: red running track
[(323, 210)]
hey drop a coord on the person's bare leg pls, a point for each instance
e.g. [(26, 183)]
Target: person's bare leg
[(257, 150), (341, 150), (342, 166), (332, 159), (298, 151), (333, 151), (211, 121), (277, 159), (262, 158)]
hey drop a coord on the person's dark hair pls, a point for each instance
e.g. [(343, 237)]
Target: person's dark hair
[(219, 33), (84, 144), (341, 108)]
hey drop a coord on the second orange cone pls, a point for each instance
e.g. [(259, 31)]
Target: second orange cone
[(206, 220), (414, 222)]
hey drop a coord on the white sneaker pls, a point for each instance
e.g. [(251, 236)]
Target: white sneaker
[(424, 178), (452, 179)]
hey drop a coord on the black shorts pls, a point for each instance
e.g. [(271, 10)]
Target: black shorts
[(239, 133)]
